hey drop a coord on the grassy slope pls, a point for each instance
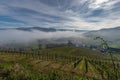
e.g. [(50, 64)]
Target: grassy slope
[(15, 67), (67, 50)]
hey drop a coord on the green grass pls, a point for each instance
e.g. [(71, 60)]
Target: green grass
[(68, 50), (60, 63)]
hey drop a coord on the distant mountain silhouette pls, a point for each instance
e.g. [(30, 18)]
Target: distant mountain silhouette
[(110, 34), (37, 28), (30, 29)]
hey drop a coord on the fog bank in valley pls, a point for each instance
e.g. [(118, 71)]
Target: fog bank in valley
[(19, 36)]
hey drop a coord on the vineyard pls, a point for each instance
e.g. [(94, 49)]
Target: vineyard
[(60, 63)]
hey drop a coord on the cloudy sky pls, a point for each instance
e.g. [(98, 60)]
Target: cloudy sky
[(70, 14)]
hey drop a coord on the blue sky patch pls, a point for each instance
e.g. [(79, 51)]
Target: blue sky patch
[(80, 14)]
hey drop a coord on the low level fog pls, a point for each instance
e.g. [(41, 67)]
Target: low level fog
[(18, 36)]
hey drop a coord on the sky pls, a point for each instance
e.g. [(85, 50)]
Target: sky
[(63, 14)]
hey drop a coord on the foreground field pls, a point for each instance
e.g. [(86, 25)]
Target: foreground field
[(62, 63)]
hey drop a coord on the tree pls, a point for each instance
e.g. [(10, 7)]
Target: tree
[(105, 45)]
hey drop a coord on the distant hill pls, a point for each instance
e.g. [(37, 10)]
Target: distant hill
[(37, 28), (30, 29), (112, 35), (70, 50)]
